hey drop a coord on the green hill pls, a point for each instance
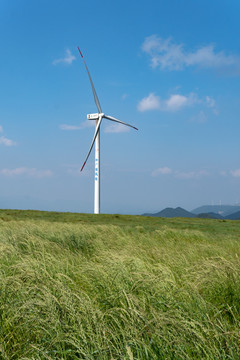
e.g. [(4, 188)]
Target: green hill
[(80, 286), (171, 213), (234, 216), (210, 215)]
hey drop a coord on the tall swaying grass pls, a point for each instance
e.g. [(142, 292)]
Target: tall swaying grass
[(141, 289)]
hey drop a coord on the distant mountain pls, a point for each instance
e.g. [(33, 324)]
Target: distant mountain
[(223, 210), (209, 215), (234, 216), (180, 212), (170, 213)]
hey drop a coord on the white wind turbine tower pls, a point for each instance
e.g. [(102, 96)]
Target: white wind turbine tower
[(96, 139)]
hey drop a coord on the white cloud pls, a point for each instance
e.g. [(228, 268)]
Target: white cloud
[(174, 103), (32, 172), (69, 127), (191, 174), (235, 173), (83, 125), (211, 103), (166, 54), (67, 60), (76, 171), (162, 171), (111, 128), (116, 128), (200, 118), (5, 141), (177, 102), (180, 174), (151, 102)]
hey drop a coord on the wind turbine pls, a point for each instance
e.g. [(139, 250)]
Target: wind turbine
[(96, 139)]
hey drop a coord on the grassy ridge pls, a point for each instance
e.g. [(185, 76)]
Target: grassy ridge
[(77, 286)]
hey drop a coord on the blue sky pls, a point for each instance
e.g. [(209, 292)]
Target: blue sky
[(171, 68)]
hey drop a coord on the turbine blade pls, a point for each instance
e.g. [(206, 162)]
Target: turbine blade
[(118, 121), (93, 141), (93, 89)]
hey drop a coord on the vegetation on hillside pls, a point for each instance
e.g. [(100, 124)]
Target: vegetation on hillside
[(78, 286)]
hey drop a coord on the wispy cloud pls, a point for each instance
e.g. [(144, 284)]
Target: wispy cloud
[(211, 103), (75, 171), (167, 54), (69, 127), (4, 140), (200, 118), (67, 60), (163, 171), (235, 173), (85, 124), (191, 174), (31, 172), (111, 128), (116, 128), (174, 103), (7, 142)]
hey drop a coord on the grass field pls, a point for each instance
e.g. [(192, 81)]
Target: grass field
[(77, 286)]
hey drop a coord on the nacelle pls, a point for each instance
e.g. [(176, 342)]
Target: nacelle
[(93, 116)]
